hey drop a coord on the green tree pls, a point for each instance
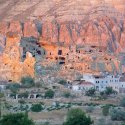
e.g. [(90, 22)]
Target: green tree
[(27, 82), (109, 91), (16, 119), (49, 94), (36, 108), (77, 117), (91, 92)]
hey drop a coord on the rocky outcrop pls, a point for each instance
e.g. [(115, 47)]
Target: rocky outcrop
[(11, 66), (102, 31), (95, 24)]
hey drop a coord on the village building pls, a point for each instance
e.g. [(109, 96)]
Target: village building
[(102, 81), (82, 86)]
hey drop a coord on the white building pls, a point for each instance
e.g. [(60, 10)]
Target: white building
[(103, 81), (82, 86)]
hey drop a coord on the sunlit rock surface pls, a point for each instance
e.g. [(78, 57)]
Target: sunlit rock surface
[(98, 26), (11, 66)]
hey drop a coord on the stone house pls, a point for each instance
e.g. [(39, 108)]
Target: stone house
[(82, 86), (102, 81)]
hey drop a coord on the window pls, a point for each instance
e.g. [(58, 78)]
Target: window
[(60, 52)]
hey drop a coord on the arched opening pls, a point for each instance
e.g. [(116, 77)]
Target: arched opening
[(31, 96), (38, 96)]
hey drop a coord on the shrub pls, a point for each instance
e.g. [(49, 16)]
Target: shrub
[(77, 117), (62, 82), (66, 94), (36, 108), (14, 88), (117, 115), (49, 94), (109, 91), (24, 95), (105, 110), (21, 101), (27, 82), (91, 92)]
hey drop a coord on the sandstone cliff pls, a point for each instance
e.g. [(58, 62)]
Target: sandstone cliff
[(11, 66), (99, 24)]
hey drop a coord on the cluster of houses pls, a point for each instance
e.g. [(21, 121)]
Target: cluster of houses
[(89, 81), (100, 83)]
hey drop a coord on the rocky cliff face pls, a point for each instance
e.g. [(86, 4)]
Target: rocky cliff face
[(102, 31), (11, 66), (94, 23)]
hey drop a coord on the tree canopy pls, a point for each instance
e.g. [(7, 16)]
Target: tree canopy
[(77, 117), (49, 94), (36, 108), (16, 119)]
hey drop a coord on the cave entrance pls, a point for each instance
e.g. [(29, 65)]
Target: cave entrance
[(60, 52), (61, 63)]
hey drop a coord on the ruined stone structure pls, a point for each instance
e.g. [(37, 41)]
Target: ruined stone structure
[(11, 66)]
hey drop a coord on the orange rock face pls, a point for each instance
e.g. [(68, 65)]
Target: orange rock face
[(11, 67), (96, 25)]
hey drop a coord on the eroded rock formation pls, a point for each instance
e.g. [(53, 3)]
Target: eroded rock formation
[(11, 66), (82, 35)]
